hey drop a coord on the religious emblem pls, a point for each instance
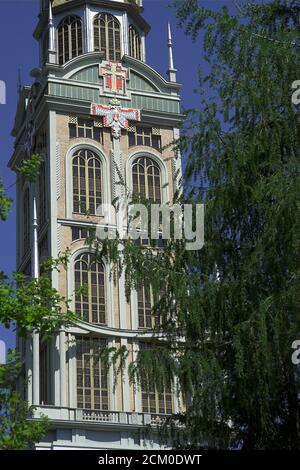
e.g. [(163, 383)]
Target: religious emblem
[(115, 117), (114, 77)]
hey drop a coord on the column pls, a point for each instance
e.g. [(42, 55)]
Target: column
[(36, 368), (137, 392), (62, 368), (72, 370), (29, 361), (35, 334), (125, 382)]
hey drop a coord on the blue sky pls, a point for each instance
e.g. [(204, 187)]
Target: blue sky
[(18, 50)]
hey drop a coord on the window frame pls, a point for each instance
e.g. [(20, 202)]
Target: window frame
[(147, 176), (89, 376), (151, 397), (69, 29), (83, 186), (107, 30), (88, 274), (85, 127), (139, 136), (135, 42)]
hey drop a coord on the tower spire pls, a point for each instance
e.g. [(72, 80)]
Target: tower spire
[(171, 70)]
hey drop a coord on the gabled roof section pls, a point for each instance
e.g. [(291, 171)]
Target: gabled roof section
[(151, 75), (142, 77)]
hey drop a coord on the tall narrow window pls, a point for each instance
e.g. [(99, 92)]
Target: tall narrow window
[(42, 195), (134, 43), (144, 307), (155, 400), (146, 179), (44, 373), (26, 221), (69, 39), (87, 182), (107, 36), (90, 302), (92, 375)]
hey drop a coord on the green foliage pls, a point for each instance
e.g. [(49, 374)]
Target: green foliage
[(17, 429), (235, 302), (29, 167), (32, 304), (28, 304), (5, 203)]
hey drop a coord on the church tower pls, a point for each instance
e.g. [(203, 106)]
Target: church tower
[(96, 113)]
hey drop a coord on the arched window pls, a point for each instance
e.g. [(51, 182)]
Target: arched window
[(91, 375), (107, 36), (87, 182), (146, 177), (90, 302), (134, 43), (26, 221), (69, 39)]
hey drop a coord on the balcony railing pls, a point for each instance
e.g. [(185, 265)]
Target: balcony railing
[(97, 416)]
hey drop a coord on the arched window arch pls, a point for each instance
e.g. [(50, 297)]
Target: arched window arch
[(87, 182), (26, 221), (107, 36), (69, 39), (146, 179), (134, 43), (90, 298)]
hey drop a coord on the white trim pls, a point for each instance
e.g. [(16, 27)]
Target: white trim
[(63, 368), (29, 366), (105, 173), (26, 186), (112, 391), (178, 165), (56, 375), (143, 42), (53, 192), (137, 388), (116, 14), (134, 309), (163, 169), (72, 370), (125, 382), (125, 36)]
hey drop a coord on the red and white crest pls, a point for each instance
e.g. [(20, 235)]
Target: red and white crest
[(114, 77)]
